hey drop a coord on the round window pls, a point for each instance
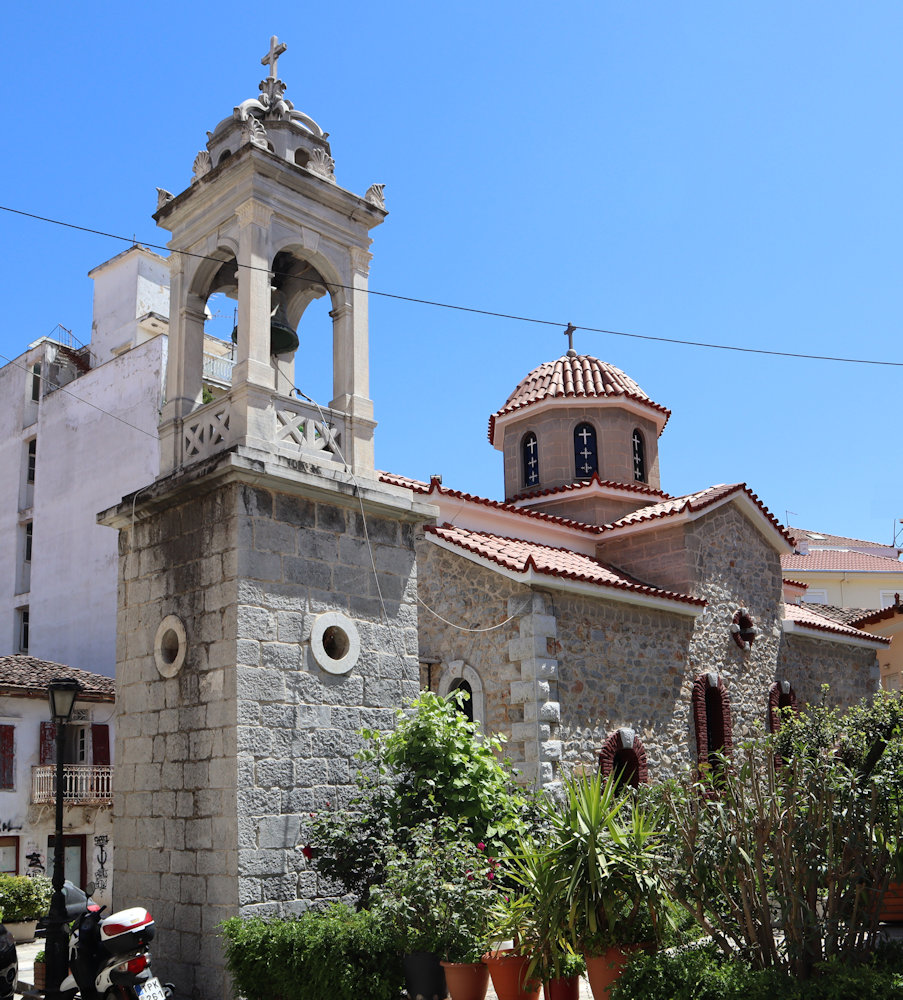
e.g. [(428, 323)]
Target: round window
[(170, 646), (335, 642)]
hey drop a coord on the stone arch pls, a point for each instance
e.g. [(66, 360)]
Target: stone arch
[(624, 751), (780, 695), (453, 674), (711, 717)]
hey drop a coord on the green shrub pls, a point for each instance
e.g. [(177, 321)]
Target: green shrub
[(705, 973), (327, 953), (24, 897)]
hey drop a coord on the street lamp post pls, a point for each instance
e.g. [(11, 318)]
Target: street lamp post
[(62, 697)]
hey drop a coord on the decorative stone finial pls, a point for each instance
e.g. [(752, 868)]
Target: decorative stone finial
[(272, 57), (374, 195), (253, 131), (163, 196), (202, 165), (322, 163)]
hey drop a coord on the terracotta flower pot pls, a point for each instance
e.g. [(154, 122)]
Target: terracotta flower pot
[(564, 988), (605, 969), (423, 976), (892, 904), (466, 980), (508, 972)]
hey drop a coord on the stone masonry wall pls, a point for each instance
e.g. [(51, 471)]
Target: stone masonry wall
[(220, 766), (297, 723), (176, 848), (849, 671)]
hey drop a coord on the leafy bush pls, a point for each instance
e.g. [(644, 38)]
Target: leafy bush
[(437, 893), (336, 952), (24, 897), (705, 973), (787, 853), (434, 764)]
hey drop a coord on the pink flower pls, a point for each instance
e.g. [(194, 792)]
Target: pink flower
[(307, 851), (481, 846), (491, 875)]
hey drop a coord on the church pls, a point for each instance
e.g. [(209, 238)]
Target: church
[(276, 592)]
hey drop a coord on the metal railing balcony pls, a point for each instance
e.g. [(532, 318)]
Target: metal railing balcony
[(83, 784)]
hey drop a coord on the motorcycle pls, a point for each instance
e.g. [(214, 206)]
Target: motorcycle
[(9, 965), (108, 956)]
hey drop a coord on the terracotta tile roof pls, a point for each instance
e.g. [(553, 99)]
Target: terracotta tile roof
[(585, 484), (795, 583), (839, 561), (876, 617), (806, 616), (821, 539), (693, 503), (435, 487), (521, 556), (578, 377), (843, 616), (29, 676)]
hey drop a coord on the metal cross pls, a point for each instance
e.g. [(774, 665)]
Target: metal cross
[(569, 333), (272, 57)]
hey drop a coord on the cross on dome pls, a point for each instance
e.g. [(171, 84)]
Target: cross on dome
[(569, 333), (272, 57)]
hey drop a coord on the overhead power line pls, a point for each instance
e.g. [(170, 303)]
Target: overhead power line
[(482, 312)]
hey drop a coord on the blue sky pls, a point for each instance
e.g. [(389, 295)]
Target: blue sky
[(728, 173)]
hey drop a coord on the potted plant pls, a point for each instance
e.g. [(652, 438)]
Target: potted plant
[(24, 899), (436, 896), (603, 858), (513, 960), (39, 976)]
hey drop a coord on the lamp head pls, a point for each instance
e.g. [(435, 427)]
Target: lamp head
[(62, 694)]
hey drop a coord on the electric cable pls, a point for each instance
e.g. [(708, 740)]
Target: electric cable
[(477, 311)]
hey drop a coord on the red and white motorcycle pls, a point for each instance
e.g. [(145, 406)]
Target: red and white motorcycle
[(108, 956)]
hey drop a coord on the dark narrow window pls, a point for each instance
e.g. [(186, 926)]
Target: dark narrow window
[(32, 459), (530, 458), (7, 757), (624, 756), (36, 382), (639, 457), (467, 706), (586, 458), (780, 696), (712, 719), (28, 540), (23, 630)]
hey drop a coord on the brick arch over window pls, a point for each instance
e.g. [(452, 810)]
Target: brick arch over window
[(711, 717), (780, 696), (624, 751)]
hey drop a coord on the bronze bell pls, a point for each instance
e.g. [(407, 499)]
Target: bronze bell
[(283, 339)]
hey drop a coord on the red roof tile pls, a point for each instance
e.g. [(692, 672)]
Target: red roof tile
[(808, 617), (520, 556), (30, 676), (692, 503), (434, 487), (876, 617), (577, 377), (823, 540), (839, 561), (588, 484)]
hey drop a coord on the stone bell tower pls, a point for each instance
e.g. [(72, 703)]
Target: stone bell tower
[(267, 583)]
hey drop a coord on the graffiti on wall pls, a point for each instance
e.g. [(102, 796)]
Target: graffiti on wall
[(35, 863), (8, 826), (101, 858)]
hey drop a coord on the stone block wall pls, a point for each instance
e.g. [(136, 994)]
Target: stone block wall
[(221, 765)]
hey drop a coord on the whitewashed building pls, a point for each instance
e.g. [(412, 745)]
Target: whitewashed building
[(27, 774)]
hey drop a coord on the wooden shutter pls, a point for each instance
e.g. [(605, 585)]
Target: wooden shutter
[(7, 757), (100, 744), (48, 743)]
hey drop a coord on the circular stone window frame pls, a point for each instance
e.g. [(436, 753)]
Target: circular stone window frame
[(349, 634), (165, 666)]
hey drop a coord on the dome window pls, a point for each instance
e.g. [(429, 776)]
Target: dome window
[(530, 458), (639, 457), (586, 456)]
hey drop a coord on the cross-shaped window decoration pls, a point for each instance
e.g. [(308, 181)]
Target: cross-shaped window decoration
[(586, 456), (530, 459), (639, 457)]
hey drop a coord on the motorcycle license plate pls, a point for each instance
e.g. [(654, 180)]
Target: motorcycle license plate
[(151, 990)]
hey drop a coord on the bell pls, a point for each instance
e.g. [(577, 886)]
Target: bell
[(283, 339)]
